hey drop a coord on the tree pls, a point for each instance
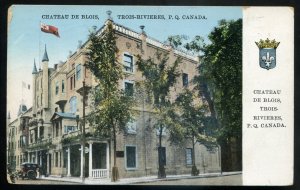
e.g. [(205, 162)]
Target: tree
[(221, 77), (160, 76), (112, 110), (220, 83), (192, 119)]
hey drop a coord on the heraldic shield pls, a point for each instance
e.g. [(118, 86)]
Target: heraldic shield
[(267, 53), (267, 58)]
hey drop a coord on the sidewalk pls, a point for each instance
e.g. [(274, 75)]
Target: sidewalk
[(137, 180)]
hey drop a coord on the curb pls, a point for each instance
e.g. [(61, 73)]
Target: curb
[(144, 180)]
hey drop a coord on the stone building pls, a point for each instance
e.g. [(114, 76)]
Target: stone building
[(50, 131)]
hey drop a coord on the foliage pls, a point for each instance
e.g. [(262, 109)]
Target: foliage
[(159, 76), (112, 106), (192, 117), (180, 42), (112, 111), (220, 76), (72, 139), (222, 70), (40, 145)]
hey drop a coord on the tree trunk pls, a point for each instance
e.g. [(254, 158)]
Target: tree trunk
[(161, 167), (195, 171), (115, 171)]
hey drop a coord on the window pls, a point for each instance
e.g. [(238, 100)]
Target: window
[(63, 86), (74, 81), (31, 136), (41, 99), (56, 129), (78, 71), (23, 140), (128, 88), (56, 159), (188, 156), (128, 63), (68, 129), (71, 83), (56, 88), (41, 132), (59, 159), (73, 104), (85, 72), (37, 102), (131, 127), (162, 155), (130, 157), (185, 79)]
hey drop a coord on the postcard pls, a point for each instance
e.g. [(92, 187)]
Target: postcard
[(150, 95)]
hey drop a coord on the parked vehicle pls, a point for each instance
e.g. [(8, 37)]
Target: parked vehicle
[(29, 170)]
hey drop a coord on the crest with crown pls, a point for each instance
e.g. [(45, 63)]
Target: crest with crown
[(267, 44)]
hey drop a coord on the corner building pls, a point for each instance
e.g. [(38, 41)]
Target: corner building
[(53, 133)]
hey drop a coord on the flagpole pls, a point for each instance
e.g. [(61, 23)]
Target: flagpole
[(39, 45)]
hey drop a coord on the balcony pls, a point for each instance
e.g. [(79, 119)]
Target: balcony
[(75, 137), (40, 145), (99, 173), (33, 122)]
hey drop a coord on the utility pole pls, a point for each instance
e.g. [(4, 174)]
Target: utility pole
[(83, 131)]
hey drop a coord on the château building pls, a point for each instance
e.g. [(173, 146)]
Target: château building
[(49, 132)]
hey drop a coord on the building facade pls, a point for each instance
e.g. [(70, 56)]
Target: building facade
[(49, 133)]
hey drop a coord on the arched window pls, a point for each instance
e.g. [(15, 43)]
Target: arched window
[(73, 104)]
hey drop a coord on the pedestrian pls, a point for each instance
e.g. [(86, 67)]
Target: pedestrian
[(38, 173)]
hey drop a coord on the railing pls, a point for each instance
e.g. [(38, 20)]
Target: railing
[(99, 173)]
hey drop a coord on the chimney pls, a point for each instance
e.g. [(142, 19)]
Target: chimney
[(142, 28), (79, 44), (109, 15), (70, 53)]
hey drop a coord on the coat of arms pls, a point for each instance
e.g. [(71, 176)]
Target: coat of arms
[(267, 53)]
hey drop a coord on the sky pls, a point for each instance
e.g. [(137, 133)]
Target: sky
[(26, 42)]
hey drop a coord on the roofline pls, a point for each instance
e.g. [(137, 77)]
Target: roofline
[(150, 40)]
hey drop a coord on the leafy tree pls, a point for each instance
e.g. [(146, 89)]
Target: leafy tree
[(160, 76), (191, 119), (220, 83), (221, 72), (112, 109)]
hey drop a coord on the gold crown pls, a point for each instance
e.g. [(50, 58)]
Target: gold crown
[(267, 43)]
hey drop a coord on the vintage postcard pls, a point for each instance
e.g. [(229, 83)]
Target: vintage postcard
[(150, 95)]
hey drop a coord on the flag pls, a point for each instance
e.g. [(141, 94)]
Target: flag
[(49, 29)]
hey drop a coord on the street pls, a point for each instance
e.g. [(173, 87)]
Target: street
[(223, 180), (213, 180), (43, 182)]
